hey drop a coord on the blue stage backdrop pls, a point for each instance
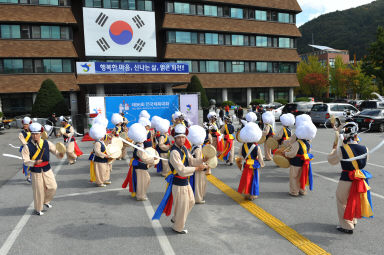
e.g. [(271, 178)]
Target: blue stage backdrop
[(131, 106)]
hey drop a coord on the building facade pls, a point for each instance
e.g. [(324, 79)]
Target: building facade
[(327, 55), (240, 50)]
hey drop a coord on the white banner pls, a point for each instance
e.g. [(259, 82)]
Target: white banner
[(189, 104), (118, 33), (85, 68), (96, 105)]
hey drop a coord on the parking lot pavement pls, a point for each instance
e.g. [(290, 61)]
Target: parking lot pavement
[(90, 220)]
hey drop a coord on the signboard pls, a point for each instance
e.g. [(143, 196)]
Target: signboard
[(131, 68), (189, 104), (117, 33), (96, 105), (131, 106)]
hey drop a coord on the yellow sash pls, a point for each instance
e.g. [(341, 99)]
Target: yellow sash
[(41, 143), (366, 210), (305, 154), (230, 135), (28, 136), (285, 132), (249, 160)]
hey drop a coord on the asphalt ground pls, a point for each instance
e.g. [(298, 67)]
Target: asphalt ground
[(89, 220)]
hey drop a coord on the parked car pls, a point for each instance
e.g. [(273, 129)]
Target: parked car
[(1, 125), (320, 113), (367, 116), (371, 104), (355, 103), (297, 108)]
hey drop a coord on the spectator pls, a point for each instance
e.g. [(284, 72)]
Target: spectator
[(52, 122), (226, 110), (221, 112)]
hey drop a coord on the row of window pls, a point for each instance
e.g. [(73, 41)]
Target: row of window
[(39, 2), (230, 39), (229, 12), (141, 5), (208, 66), (35, 32), (36, 66)]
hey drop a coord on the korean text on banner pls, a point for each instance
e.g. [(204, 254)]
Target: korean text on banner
[(189, 104), (131, 106)]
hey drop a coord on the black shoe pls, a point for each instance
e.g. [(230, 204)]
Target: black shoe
[(184, 231), (346, 231), (172, 220)]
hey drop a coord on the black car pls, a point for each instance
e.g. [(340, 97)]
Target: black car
[(367, 116), (371, 104), (297, 108)]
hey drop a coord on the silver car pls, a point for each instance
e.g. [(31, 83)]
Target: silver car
[(321, 112)]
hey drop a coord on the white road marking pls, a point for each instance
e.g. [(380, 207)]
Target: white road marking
[(159, 231), (318, 162), (7, 245), (87, 193)]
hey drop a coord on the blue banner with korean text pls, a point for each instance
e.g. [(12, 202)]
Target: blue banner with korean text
[(137, 68), (131, 106)]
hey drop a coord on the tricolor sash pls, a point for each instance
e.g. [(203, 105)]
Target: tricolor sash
[(306, 178), (359, 203)]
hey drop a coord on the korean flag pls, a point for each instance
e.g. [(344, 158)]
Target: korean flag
[(119, 33)]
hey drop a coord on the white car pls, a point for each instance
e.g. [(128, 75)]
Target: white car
[(277, 112)]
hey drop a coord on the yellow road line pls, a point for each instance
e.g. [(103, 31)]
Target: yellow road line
[(280, 227)]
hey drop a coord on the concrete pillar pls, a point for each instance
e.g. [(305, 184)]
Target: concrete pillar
[(34, 97), (291, 95), (168, 89), (100, 90), (225, 94), (249, 96), (73, 102), (148, 89), (271, 95)]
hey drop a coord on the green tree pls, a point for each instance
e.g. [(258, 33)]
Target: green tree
[(373, 64), (195, 86), (338, 86), (312, 76), (49, 99)]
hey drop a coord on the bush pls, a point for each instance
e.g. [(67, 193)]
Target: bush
[(230, 103), (302, 99), (281, 101), (1, 114), (195, 86), (48, 100), (257, 102)]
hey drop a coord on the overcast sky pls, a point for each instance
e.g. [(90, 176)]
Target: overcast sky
[(314, 8)]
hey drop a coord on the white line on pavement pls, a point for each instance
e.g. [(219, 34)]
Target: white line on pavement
[(7, 245), (159, 231), (87, 193), (160, 234), (319, 162)]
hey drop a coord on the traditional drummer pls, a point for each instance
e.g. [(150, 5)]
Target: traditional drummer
[(352, 202), (25, 137), (268, 120), (228, 130), (68, 132), (287, 120), (163, 146), (196, 136), (253, 160), (300, 171), (99, 156), (35, 155), (138, 177)]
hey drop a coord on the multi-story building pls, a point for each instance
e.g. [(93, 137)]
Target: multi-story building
[(240, 49), (327, 55)]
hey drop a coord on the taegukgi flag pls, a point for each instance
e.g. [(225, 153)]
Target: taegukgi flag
[(119, 33)]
